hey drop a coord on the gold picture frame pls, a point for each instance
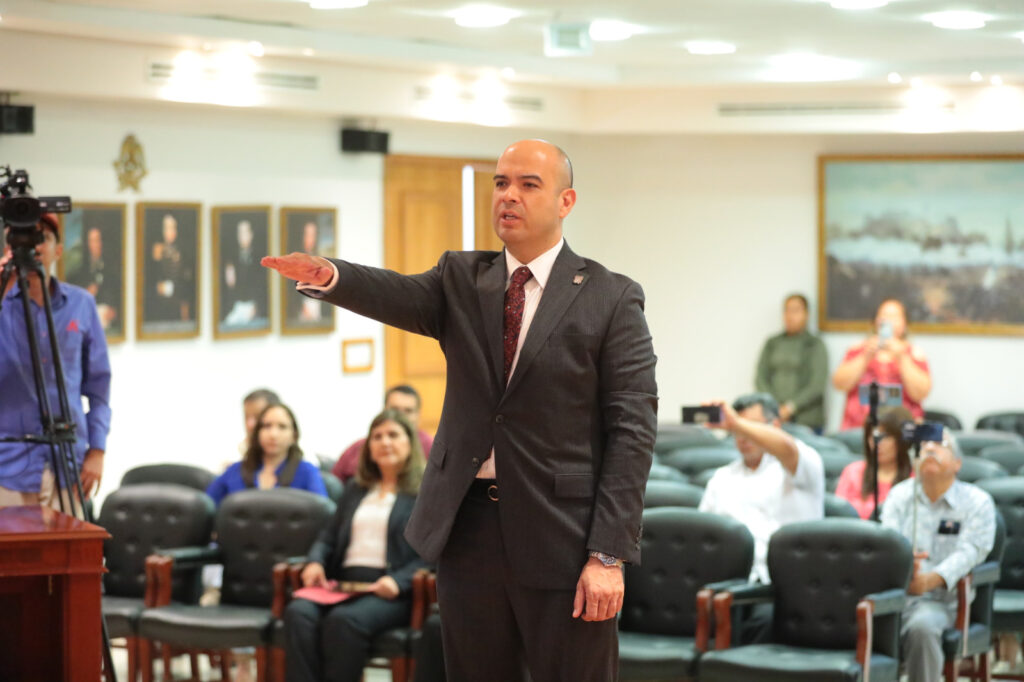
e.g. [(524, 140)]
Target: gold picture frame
[(310, 230), (168, 280), (239, 238)]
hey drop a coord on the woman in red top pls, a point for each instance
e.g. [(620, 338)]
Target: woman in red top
[(857, 482), (888, 358)]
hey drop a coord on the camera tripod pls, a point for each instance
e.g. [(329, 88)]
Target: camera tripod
[(58, 431)]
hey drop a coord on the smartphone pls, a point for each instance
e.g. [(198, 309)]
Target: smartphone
[(926, 432), (889, 395), (884, 332), (702, 414)]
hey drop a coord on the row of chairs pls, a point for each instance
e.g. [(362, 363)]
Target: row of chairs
[(996, 421), (838, 586), (160, 541)]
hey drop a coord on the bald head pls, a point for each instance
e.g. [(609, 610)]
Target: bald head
[(549, 153)]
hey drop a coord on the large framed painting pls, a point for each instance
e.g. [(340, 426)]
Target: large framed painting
[(240, 236), (943, 234), (167, 270), (309, 230), (95, 248)]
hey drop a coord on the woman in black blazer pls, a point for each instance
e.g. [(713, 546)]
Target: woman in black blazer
[(363, 543)]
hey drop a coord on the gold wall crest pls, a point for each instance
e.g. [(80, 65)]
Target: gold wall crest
[(131, 165)]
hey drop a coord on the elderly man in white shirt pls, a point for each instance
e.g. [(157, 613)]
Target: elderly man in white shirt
[(778, 480)]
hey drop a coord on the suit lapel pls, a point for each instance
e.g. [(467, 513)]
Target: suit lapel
[(490, 287), (557, 297)]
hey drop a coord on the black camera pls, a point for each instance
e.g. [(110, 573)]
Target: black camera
[(20, 210), (926, 432), (702, 414)]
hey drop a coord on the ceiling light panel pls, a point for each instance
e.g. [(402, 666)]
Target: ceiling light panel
[(483, 16)]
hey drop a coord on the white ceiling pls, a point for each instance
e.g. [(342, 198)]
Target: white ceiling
[(418, 34)]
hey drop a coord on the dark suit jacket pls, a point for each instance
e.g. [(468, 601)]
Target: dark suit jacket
[(330, 547), (573, 432)]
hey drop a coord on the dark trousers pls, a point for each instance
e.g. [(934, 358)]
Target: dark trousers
[(332, 642), (496, 630), (430, 652)]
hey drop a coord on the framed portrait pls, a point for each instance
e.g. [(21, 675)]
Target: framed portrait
[(943, 234), (94, 236), (240, 237), (167, 270), (312, 231)]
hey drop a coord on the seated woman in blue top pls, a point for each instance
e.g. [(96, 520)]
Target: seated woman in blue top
[(364, 542), (273, 459)]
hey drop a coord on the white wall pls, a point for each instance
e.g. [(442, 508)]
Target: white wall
[(718, 229)]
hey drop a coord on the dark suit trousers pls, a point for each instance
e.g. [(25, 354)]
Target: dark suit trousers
[(332, 642), (496, 630)]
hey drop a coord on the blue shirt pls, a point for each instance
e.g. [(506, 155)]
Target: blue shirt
[(83, 349), (307, 477)]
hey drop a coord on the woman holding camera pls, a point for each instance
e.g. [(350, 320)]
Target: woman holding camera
[(885, 357), (857, 482), (364, 543)]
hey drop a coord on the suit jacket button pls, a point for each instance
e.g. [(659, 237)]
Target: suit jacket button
[(499, 419), (476, 462)]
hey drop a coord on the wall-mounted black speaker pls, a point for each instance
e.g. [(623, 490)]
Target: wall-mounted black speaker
[(359, 140), (16, 119)]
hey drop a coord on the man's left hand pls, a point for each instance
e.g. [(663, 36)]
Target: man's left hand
[(92, 472), (599, 592)]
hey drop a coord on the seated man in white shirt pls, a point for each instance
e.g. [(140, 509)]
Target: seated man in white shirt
[(778, 480)]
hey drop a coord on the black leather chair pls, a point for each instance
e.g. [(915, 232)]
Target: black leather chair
[(973, 442), (837, 507), (683, 550), (971, 635), (834, 463), (256, 529), (974, 469), (1009, 455), (180, 474), (946, 418), (1008, 602), (672, 494), (678, 436), (838, 588), (1003, 421), (334, 486), (825, 445), (661, 472), (693, 461), (853, 439), (798, 430), (141, 518)]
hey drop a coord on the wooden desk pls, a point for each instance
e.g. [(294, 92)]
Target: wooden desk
[(51, 566)]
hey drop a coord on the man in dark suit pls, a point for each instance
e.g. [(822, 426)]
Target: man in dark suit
[(534, 490)]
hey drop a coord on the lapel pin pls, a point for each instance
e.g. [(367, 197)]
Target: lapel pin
[(578, 279)]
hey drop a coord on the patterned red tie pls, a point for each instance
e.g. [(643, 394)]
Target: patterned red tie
[(515, 300)]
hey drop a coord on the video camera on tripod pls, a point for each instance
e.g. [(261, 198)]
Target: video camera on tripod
[(20, 210)]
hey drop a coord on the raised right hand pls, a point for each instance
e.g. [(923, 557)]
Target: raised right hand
[(301, 267), (313, 575)]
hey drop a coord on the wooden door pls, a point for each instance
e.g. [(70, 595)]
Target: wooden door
[(422, 220)]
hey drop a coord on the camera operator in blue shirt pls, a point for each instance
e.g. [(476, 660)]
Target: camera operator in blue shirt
[(26, 475)]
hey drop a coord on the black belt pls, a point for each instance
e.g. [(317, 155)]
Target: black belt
[(484, 489)]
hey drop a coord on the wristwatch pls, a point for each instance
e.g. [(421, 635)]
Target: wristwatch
[(607, 559)]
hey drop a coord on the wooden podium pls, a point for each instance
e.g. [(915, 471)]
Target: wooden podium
[(51, 566)]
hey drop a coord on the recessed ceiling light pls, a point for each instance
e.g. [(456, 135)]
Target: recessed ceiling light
[(483, 16), (858, 4), (976, 77), (895, 78), (996, 80), (307, 52), (611, 30), (810, 68), (255, 48), (337, 4), (508, 72), (958, 20), (709, 47), (916, 82)]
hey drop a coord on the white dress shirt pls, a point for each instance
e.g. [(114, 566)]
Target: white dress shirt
[(768, 497), (540, 268), (368, 543)]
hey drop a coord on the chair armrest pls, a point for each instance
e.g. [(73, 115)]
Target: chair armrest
[(149, 598), (420, 599), (725, 601), (703, 634), (191, 557), (865, 636), (282, 595), (160, 568), (985, 574), (726, 585), (887, 602)]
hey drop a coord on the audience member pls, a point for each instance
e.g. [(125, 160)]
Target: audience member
[(793, 368), (857, 482), (273, 459), (955, 532), (364, 543), (252, 405), (406, 400), (885, 357), (778, 479), (26, 476)]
